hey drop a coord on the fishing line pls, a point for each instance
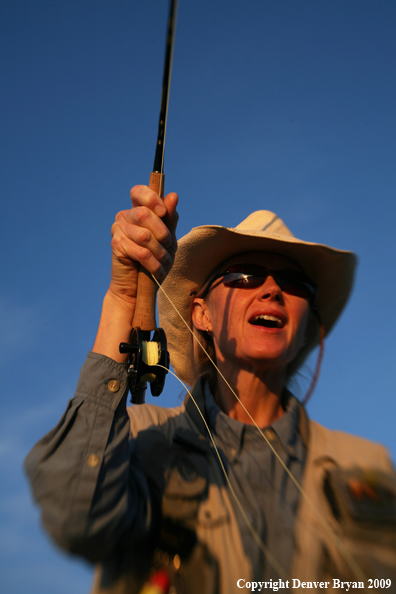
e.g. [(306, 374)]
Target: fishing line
[(341, 548)]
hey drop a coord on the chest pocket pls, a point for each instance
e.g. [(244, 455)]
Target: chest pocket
[(190, 566), (364, 504), (186, 478), (190, 495)]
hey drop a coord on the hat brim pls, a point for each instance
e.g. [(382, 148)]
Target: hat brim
[(201, 251)]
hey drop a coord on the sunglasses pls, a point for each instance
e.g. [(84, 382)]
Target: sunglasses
[(252, 276)]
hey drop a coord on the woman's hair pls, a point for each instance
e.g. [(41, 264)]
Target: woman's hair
[(312, 339), (203, 366)]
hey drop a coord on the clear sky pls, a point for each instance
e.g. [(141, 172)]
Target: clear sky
[(275, 104)]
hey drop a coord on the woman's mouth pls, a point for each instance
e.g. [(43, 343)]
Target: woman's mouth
[(267, 321)]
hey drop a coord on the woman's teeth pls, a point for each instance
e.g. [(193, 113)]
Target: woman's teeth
[(267, 321)]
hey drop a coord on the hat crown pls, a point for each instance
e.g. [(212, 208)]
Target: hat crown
[(264, 221)]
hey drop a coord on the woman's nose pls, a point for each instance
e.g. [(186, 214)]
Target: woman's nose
[(270, 289)]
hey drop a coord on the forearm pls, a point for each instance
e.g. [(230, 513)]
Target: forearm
[(114, 327)]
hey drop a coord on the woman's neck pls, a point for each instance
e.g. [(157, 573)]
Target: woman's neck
[(261, 395)]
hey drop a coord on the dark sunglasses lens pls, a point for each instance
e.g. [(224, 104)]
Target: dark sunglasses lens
[(297, 284), (242, 280), (296, 289)]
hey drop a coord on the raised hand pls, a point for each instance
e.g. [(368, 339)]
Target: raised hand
[(144, 234)]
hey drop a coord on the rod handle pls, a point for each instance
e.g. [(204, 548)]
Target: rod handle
[(144, 316)]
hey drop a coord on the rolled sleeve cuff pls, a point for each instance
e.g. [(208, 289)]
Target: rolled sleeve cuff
[(103, 381)]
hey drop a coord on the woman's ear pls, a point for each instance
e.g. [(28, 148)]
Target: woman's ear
[(200, 315)]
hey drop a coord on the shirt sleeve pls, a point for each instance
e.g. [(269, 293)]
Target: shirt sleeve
[(84, 474)]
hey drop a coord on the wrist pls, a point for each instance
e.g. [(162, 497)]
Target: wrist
[(122, 303)]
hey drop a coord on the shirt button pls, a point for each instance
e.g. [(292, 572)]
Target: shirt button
[(233, 452), (113, 385), (269, 434), (176, 562), (93, 460)]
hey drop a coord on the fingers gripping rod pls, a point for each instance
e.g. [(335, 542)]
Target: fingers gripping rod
[(145, 353)]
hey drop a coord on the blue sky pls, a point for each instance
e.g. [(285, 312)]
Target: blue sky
[(275, 104)]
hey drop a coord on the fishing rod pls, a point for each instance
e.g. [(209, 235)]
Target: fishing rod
[(146, 353)]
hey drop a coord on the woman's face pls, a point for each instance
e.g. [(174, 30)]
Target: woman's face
[(235, 318)]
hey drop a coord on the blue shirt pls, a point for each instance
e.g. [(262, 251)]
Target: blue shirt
[(263, 487)]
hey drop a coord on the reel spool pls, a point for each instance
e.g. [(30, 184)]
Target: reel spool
[(145, 354)]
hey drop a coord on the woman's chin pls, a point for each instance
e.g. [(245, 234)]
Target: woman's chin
[(269, 352), (264, 359)]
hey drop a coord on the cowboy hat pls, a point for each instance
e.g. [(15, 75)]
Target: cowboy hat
[(201, 252)]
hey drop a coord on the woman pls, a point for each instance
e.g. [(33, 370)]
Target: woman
[(198, 492)]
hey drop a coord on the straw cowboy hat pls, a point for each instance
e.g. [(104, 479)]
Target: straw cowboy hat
[(201, 252)]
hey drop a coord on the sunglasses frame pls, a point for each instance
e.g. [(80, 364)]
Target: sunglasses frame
[(305, 283)]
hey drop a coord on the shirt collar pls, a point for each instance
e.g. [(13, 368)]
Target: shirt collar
[(234, 435)]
